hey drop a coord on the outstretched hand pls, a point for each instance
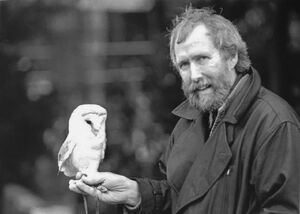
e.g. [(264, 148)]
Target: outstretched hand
[(107, 187)]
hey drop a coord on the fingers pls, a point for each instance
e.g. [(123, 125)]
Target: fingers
[(73, 187), (86, 189), (79, 187), (85, 182)]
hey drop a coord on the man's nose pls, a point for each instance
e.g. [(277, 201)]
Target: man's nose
[(196, 71)]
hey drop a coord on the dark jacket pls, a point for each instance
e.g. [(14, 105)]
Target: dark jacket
[(248, 165)]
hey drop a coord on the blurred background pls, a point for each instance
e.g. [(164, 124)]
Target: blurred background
[(55, 55)]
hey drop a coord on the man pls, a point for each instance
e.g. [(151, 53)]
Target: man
[(236, 146)]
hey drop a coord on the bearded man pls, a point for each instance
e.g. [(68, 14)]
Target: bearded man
[(236, 146)]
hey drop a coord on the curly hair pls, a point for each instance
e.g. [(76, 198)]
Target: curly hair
[(223, 33)]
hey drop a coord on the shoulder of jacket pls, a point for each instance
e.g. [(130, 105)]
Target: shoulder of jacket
[(276, 107)]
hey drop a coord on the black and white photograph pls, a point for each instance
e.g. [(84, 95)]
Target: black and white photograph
[(149, 107)]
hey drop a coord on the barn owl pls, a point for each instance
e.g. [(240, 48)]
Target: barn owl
[(84, 147)]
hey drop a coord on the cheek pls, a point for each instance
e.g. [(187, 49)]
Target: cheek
[(219, 71), (185, 77)]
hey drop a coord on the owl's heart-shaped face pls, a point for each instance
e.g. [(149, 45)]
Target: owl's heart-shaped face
[(95, 121)]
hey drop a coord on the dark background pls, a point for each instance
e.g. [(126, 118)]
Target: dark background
[(55, 55)]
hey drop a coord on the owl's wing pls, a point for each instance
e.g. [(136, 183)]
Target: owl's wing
[(65, 151)]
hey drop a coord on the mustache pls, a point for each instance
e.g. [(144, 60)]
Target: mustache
[(198, 85)]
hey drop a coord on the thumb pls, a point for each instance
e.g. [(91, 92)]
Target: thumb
[(94, 178)]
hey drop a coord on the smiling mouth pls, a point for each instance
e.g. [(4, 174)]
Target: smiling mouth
[(202, 88)]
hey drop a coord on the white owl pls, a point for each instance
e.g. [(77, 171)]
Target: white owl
[(84, 147)]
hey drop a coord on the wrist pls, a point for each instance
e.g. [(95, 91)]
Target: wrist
[(134, 197)]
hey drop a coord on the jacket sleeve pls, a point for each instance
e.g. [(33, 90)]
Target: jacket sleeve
[(155, 194), (275, 172)]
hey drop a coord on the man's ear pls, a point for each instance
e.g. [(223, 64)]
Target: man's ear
[(232, 61)]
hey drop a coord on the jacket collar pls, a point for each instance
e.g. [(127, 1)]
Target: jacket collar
[(243, 96), (185, 110)]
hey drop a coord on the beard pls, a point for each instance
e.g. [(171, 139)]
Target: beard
[(207, 102)]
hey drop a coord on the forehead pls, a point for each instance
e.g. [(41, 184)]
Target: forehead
[(199, 38), (199, 32)]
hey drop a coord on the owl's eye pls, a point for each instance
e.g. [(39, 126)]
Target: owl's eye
[(88, 122)]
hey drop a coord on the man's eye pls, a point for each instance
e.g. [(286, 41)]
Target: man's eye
[(183, 65), (202, 58)]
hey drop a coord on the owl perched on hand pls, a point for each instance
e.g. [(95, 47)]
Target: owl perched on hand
[(84, 147)]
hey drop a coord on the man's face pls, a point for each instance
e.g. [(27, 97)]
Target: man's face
[(206, 75)]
